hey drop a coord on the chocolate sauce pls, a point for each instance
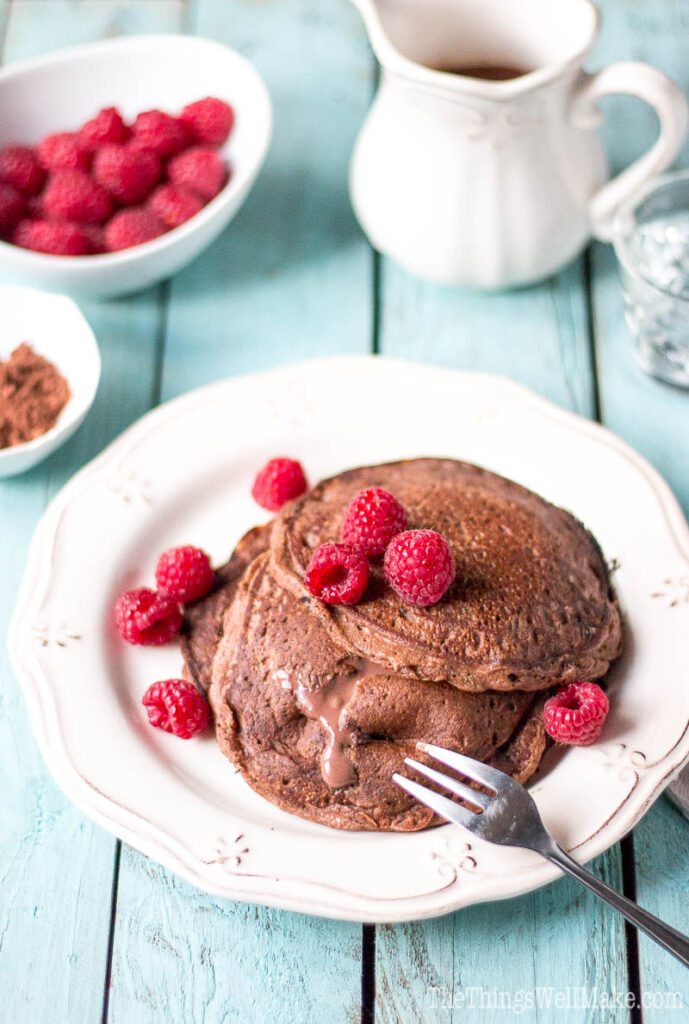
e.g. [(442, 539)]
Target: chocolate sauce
[(489, 72), (328, 705)]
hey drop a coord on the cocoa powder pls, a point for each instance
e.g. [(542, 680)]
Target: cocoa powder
[(33, 393)]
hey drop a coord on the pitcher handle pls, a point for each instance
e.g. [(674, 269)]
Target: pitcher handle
[(667, 99)]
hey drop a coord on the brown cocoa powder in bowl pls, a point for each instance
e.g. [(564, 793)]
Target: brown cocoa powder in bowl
[(33, 393)]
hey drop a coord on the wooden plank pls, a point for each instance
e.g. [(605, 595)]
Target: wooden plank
[(181, 956), (484, 962), (661, 887), (540, 337), (535, 335), (4, 12), (650, 415), (290, 278), (38, 26), (56, 867), (654, 418)]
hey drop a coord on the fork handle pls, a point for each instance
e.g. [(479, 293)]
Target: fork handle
[(669, 938)]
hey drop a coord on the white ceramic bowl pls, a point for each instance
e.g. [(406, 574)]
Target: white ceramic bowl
[(56, 329), (60, 91)]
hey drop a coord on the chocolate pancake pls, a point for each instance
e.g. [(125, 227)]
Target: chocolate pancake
[(319, 732), (202, 625), (531, 603)]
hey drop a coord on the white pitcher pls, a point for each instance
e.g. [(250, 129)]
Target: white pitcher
[(493, 183)]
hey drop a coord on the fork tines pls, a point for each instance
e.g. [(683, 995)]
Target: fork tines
[(478, 772)]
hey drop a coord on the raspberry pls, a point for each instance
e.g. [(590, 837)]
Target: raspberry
[(174, 205), (176, 706), (57, 238), (161, 133), (72, 195), (63, 151), (127, 175), (209, 120), (200, 170), (20, 168), (132, 227), (337, 574), (95, 235), (373, 518), (144, 617), (12, 208), (137, 146), (279, 481), (419, 566), (106, 126), (184, 574), (34, 207), (576, 714)]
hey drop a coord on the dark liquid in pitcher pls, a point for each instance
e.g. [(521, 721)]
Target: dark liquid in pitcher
[(491, 72)]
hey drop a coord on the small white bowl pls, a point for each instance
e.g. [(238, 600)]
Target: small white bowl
[(55, 329), (60, 91)]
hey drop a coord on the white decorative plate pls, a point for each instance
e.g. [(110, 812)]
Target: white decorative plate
[(182, 474)]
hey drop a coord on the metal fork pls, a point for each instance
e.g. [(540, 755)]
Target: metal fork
[(510, 818)]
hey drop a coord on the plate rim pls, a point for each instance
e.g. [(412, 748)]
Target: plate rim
[(152, 840)]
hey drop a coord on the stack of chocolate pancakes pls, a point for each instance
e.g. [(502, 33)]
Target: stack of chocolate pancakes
[(318, 705)]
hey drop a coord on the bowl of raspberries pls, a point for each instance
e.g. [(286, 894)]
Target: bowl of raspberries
[(120, 161)]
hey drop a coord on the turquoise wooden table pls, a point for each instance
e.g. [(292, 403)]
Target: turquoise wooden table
[(92, 931)]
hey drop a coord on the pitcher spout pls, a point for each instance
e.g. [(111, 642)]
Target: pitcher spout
[(377, 35)]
